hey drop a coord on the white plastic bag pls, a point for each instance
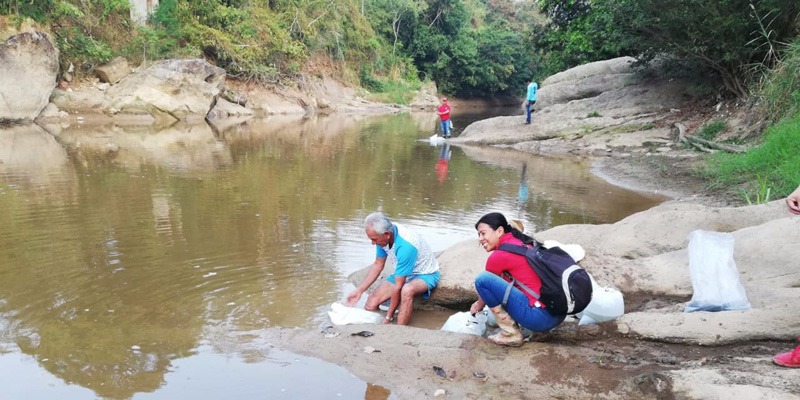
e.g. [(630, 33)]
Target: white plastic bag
[(464, 322), (343, 315), (436, 140), (607, 304), (575, 251), (715, 279), (490, 318)]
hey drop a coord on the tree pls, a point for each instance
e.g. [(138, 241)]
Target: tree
[(730, 37)]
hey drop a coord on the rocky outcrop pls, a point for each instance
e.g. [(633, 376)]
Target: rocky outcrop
[(610, 103), (29, 65), (179, 89), (585, 81)]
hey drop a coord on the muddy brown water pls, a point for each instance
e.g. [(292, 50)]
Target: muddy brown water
[(145, 262)]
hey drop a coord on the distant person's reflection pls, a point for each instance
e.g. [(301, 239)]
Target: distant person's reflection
[(522, 194), (375, 392), (442, 165)]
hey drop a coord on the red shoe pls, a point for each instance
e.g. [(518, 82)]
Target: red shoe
[(790, 359)]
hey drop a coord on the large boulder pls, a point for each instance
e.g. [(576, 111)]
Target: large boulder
[(612, 99), (585, 81), (29, 65), (180, 89)]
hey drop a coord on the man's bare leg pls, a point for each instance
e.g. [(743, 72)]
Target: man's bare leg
[(379, 295), (410, 290)]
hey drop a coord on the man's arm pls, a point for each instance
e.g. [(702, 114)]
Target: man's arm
[(372, 275)]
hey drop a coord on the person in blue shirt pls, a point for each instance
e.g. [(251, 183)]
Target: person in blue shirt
[(416, 271), (530, 100)]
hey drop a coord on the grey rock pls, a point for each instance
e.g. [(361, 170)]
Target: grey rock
[(175, 88), (113, 71), (29, 65)]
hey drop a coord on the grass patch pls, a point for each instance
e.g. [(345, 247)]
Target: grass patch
[(780, 91), (773, 165), (712, 129), (761, 194), (593, 114), (397, 92)]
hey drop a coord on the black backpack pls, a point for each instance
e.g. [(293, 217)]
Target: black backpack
[(566, 287)]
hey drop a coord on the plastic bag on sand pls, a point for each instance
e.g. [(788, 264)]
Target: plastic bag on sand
[(607, 304), (464, 322), (715, 279), (343, 315)]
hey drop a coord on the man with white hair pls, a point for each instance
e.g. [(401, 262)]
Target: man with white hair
[(416, 272)]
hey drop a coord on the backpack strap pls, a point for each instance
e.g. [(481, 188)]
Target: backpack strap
[(522, 251), (514, 248)]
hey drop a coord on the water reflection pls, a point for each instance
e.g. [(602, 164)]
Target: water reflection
[(129, 254), (442, 164)]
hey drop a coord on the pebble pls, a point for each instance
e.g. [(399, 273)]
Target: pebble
[(439, 393)]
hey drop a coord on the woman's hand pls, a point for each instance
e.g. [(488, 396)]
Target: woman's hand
[(477, 307)]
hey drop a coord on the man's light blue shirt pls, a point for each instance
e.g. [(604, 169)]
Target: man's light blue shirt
[(533, 88)]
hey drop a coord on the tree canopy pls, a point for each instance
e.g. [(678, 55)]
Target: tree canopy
[(468, 47)]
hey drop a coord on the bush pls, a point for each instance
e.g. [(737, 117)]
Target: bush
[(712, 129), (780, 90)]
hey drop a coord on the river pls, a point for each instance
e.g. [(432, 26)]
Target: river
[(146, 261)]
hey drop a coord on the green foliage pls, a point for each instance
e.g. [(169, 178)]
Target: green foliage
[(466, 56), (725, 37), (781, 89), (84, 47), (369, 82), (576, 33), (775, 161), (396, 91), (37, 10), (712, 129), (593, 114)]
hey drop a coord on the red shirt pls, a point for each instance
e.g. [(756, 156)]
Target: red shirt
[(516, 265), (444, 112)]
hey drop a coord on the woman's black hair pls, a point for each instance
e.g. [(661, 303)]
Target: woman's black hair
[(496, 220)]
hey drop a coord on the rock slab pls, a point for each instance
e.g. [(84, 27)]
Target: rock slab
[(174, 88), (29, 65)]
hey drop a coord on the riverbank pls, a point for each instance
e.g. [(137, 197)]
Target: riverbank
[(655, 351), (677, 358)]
